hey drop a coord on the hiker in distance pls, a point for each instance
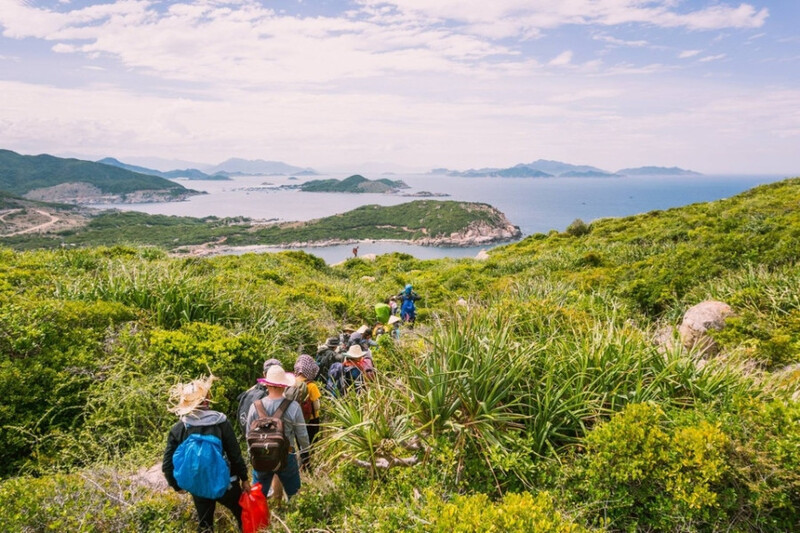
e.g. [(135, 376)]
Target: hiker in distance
[(275, 406), (200, 448)]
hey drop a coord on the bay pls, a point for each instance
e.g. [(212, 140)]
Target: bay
[(536, 205)]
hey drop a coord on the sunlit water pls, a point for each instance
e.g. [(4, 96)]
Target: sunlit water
[(536, 205)]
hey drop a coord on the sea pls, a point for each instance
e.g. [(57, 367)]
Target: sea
[(536, 205)]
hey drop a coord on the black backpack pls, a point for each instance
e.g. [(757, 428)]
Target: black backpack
[(246, 399), (324, 359), (266, 441)]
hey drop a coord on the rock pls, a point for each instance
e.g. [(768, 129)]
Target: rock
[(665, 339), (152, 478), (482, 255), (699, 319), (369, 257)]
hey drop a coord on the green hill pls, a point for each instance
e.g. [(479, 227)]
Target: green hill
[(20, 174), (531, 395), (354, 184), (421, 221)]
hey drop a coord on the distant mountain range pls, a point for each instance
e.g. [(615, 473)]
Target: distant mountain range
[(236, 166), (189, 173), (226, 169), (49, 178), (543, 168)]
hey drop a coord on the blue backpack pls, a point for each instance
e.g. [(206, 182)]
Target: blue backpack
[(200, 468)]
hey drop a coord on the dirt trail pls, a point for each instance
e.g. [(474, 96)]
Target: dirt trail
[(38, 227)]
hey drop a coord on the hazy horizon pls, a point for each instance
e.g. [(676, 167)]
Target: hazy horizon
[(406, 85)]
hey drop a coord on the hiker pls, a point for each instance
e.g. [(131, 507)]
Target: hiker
[(294, 428), (362, 337), (204, 435), (382, 311), (393, 307), (408, 310), (305, 371), (360, 360), (246, 399), (327, 354), (355, 251), (256, 392), (394, 323)]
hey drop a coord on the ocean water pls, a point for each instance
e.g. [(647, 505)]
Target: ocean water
[(536, 205)]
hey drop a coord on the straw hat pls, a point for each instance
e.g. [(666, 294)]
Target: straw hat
[(393, 319), (278, 377), (355, 352), (185, 397)]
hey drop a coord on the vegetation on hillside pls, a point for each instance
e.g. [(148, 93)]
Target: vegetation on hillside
[(354, 184), (541, 405), (410, 221), (20, 174)]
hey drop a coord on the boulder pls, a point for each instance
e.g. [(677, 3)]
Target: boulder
[(152, 478), (698, 320), (482, 255)]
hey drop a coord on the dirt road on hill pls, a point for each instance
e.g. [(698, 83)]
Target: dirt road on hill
[(39, 227)]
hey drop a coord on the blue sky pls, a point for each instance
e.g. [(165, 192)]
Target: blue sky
[(406, 84)]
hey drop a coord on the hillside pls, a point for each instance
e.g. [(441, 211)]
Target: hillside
[(189, 173), (542, 389), (354, 184), (48, 178), (424, 222)]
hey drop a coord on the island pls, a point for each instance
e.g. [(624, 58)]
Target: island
[(423, 222), (354, 184), (657, 171), (54, 179), (544, 168)]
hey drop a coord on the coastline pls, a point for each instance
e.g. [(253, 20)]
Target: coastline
[(215, 249)]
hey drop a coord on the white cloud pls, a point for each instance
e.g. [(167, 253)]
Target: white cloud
[(564, 58), (518, 16), (708, 59), (620, 42), (689, 53)]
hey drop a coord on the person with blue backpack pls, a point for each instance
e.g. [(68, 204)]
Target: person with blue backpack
[(408, 309), (202, 455)]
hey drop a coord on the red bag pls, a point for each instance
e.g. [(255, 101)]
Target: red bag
[(255, 511)]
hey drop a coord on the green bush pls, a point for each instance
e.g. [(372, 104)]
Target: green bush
[(644, 473)]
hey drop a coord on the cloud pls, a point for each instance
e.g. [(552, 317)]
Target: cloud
[(564, 58), (619, 42), (689, 53), (518, 16), (708, 59)]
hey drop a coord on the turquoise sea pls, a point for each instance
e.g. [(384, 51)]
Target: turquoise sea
[(536, 205)]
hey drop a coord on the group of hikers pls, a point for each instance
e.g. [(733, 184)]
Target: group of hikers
[(279, 416)]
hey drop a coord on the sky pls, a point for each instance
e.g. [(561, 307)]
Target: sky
[(707, 85)]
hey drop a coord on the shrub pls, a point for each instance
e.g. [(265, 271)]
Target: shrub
[(645, 474), (578, 228)]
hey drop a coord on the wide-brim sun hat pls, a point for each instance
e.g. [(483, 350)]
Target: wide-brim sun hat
[(186, 397), (278, 377), (393, 319), (355, 352)]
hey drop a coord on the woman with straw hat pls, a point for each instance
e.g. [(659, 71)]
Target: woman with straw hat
[(197, 421)]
